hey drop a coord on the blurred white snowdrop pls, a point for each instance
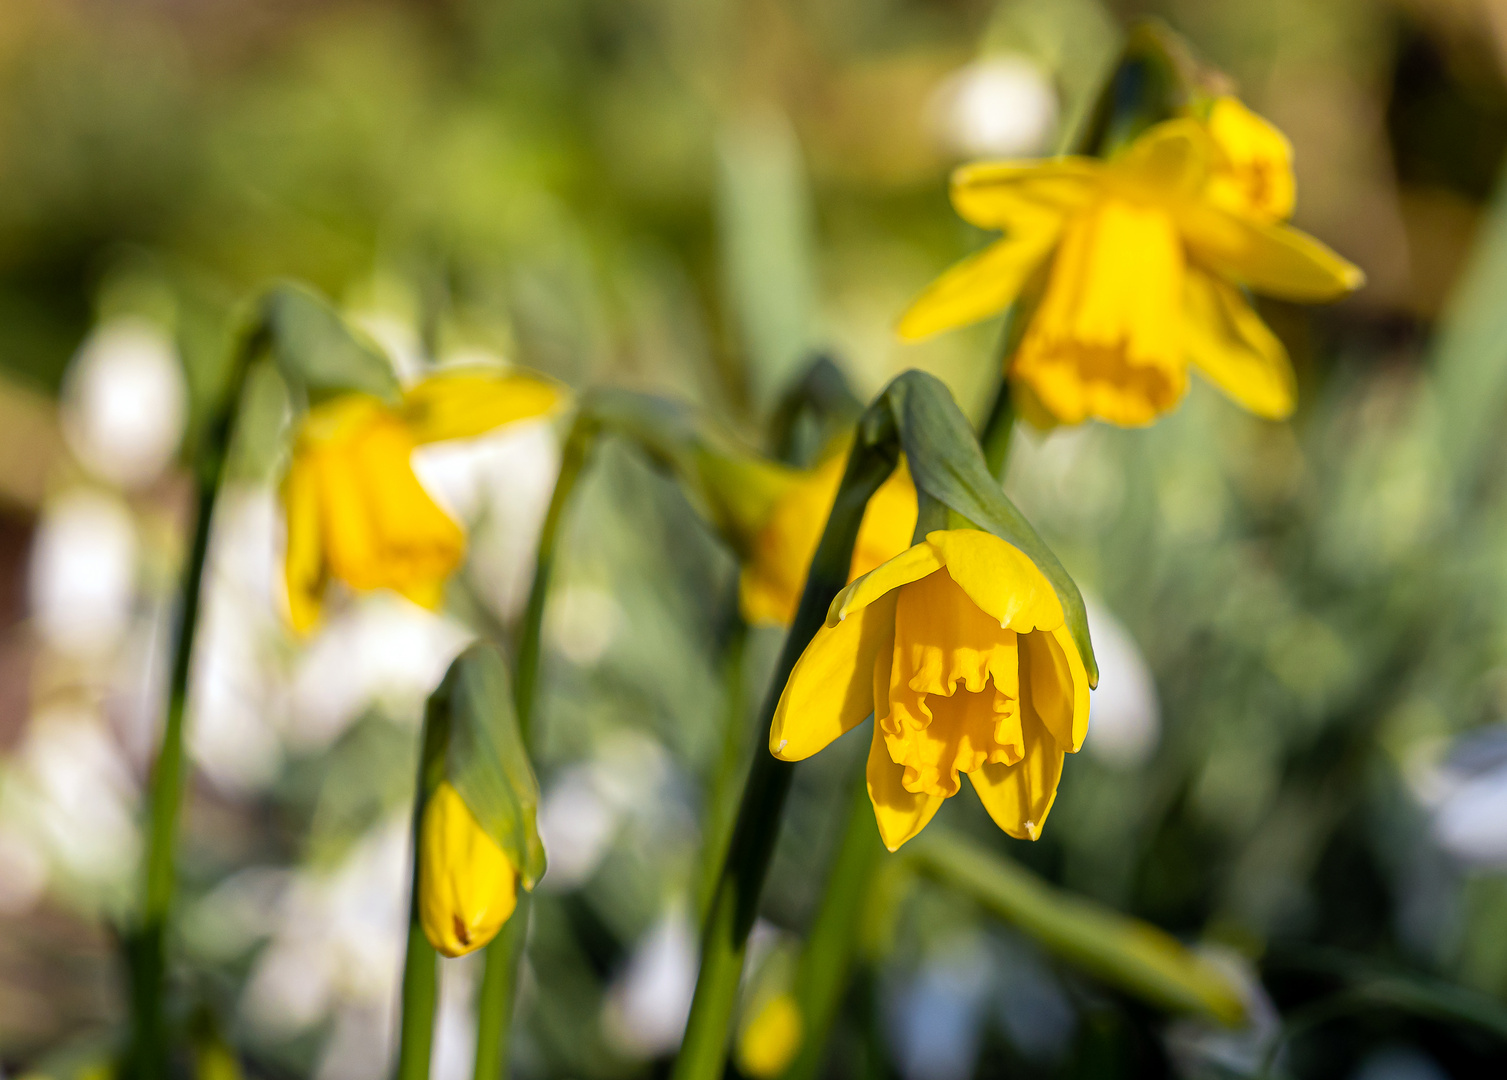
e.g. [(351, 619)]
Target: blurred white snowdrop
[(1201, 1047), (999, 106), (499, 485), (380, 650), (237, 690), (585, 805), (1468, 795), (83, 572), (78, 801), (647, 1005), (582, 622), (1125, 717), (336, 940), (124, 402)]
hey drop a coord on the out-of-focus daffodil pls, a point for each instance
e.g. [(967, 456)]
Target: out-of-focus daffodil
[(767, 1043), (355, 509), (467, 885), (1137, 266), (779, 514), (959, 648)]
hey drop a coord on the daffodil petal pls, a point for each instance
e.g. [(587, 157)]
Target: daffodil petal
[(1271, 258), (468, 402), (912, 564), (1024, 195), (980, 286), (1234, 349), (303, 562), (1171, 160), (999, 578), (1054, 686), (1255, 175), (831, 688), (900, 814), (1018, 797)]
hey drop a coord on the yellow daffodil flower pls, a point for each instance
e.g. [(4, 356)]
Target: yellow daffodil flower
[(467, 885), (768, 1043), (774, 570), (356, 511), (959, 648), (1140, 263)]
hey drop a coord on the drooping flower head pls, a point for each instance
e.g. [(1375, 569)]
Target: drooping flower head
[(960, 649), (1137, 267), (356, 511), (467, 885)]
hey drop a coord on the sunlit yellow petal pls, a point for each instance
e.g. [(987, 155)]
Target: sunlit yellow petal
[(1024, 195), (912, 564), (1170, 162), (899, 813), (303, 563), (1019, 797), (768, 1042), (999, 578), (1269, 257), (1235, 349), (1054, 687), (831, 688), (467, 886), (980, 286), (1253, 175), (467, 402)]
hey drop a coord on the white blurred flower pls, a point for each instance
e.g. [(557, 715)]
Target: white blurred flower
[(1000, 106), (78, 798), (647, 1006), (1125, 715), (83, 572), (337, 938), (380, 650), (936, 1021), (124, 402), (1467, 793), (500, 485), (237, 689)]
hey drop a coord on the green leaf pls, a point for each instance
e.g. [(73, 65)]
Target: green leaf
[(1154, 80), (1132, 955), (918, 411), (318, 353), (484, 758)]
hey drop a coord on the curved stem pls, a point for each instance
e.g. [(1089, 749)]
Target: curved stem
[(497, 995), (735, 901), (421, 963), (147, 1054)]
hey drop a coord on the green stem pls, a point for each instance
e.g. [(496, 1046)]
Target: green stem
[(499, 992), (421, 963), (526, 681), (826, 961), (735, 901), (497, 995), (722, 804), (147, 1055)]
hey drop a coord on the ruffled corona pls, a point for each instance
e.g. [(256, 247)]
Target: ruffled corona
[(960, 650), (1138, 267), (467, 886), (356, 511)]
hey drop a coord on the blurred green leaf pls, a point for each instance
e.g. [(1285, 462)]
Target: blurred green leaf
[(1132, 955), (318, 352)]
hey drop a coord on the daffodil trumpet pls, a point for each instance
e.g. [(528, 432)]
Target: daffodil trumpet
[(1137, 267)]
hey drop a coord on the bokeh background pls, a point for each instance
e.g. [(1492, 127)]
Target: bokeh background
[(1298, 755)]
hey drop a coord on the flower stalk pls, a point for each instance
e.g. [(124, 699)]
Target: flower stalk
[(147, 1052), (735, 901)]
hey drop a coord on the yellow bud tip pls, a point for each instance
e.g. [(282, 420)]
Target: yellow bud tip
[(769, 1041)]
